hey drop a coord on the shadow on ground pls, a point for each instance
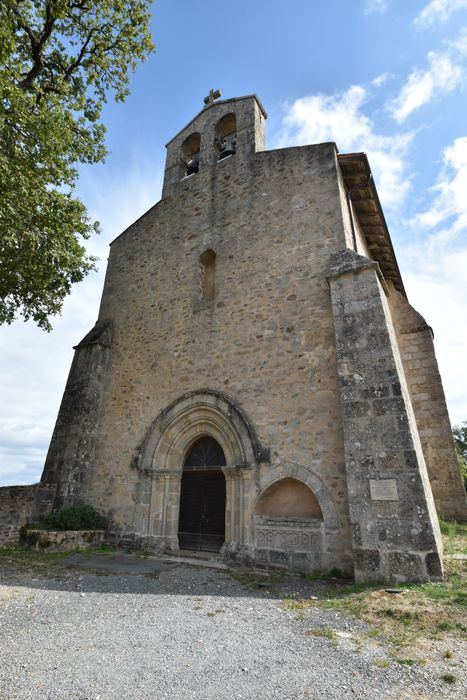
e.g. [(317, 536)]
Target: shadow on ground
[(121, 572)]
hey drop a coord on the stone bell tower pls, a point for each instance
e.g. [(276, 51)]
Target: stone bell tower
[(257, 383), (222, 129)]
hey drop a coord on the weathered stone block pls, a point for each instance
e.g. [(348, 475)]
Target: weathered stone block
[(434, 566), (62, 540), (278, 557), (405, 566), (305, 562), (367, 560)]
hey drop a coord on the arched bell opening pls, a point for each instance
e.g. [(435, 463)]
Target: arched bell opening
[(225, 136), (189, 154), (201, 524)]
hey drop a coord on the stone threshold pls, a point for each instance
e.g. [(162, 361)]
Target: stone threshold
[(202, 559)]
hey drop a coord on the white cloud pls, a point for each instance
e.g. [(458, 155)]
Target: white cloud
[(442, 75), (460, 44), (376, 6), (35, 364), (340, 118), (382, 79), (438, 11), (434, 273), (449, 205), (436, 284)]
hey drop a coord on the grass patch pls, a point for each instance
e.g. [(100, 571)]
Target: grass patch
[(50, 564), (25, 555), (296, 603), (448, 678), (330, 575), (454, 537), (322, 632), (103, 549), (430, 610), (256, 581)]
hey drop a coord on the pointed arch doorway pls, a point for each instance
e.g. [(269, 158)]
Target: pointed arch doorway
[(201, 524)]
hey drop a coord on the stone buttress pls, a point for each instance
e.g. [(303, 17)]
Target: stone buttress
[(395, 532)]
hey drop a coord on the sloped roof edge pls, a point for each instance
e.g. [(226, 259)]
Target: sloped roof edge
[(359, 181)]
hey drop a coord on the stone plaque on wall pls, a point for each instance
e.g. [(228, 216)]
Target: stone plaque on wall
[(383, 490)]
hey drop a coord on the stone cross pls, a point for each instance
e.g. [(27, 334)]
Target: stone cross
[(213, 95)]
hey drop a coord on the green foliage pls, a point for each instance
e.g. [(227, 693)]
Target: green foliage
[(59, 59), (406, 662), (459, 433), (79, 517), (448, 678), (322, 632), (455, 537)]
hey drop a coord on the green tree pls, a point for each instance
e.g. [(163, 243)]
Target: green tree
[(59, 60), (459, 433)]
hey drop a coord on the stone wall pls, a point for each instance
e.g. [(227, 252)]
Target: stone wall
[(19, 505), (70, 457), (415, 339), (266, 340)]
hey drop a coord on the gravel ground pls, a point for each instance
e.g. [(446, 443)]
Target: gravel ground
[(168, 630)]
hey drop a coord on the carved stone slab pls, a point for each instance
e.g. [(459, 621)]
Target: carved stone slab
[(288, 537)]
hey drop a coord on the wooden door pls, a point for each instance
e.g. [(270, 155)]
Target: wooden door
[(202, 498)]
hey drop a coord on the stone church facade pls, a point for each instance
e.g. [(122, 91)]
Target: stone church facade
[(257, 383)]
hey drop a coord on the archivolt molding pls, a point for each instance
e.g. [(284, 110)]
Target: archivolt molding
[(183, 422), (310, 479)]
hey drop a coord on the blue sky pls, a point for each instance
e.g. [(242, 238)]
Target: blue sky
[(387, 77)]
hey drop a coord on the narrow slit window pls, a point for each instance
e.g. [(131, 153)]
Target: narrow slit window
[(208, 273)]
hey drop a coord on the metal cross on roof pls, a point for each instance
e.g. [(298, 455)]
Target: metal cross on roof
[(213, 95)]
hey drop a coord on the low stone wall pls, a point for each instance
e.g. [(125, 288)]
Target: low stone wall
[(19, 505), (16, 508), (62, 540)]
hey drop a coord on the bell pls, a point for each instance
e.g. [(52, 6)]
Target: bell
[(193, 166), (228, 147)]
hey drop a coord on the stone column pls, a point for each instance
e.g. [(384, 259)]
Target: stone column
[(71, 452), (247, 495), (395, 531), (164, 508), (232, 505)]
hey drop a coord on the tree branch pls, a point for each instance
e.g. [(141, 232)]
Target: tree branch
[(78, 61), (37, 45)]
